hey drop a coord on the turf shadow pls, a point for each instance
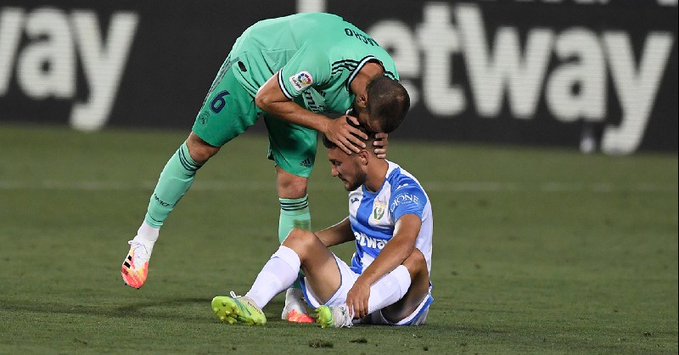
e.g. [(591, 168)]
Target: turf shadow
[(165, 309)]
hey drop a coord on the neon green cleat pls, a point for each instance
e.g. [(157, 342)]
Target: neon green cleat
[(236, 309), (334, 317)]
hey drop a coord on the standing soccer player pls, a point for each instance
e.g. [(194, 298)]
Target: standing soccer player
[(390, 220), (289, 71)]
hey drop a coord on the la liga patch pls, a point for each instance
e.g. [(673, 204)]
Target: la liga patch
[(301, 80)]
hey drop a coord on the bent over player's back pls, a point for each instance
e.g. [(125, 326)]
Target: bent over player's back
[(328, 50)]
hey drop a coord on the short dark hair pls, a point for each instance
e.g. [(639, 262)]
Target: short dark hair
[(388, 103), (371, 136)]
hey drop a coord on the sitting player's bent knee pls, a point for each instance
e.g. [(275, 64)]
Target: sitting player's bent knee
[(416, 262), (299, 239)]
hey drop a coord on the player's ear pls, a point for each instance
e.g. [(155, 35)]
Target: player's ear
[(362, 101), (363, 156)]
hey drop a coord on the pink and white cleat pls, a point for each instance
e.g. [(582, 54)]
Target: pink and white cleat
[(135, 267)]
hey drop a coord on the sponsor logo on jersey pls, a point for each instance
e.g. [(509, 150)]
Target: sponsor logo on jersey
[(403, 199), (369, 242), (301, 80)]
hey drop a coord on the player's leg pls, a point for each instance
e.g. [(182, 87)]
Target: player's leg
[(418, 291), (294, 204), (293, 149), (387, 290), (175, 180), (177, 177), (322, 274), (294, 213), (397, 295), (301, 250), (228, 110)]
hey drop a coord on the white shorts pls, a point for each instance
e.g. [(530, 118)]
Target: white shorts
[(418, 317), (348, 277)]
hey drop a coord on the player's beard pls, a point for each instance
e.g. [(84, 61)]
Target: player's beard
[(351, 185)]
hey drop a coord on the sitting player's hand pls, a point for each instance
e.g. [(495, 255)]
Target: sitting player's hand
[(347, 137), (357, 299), (380, 144)]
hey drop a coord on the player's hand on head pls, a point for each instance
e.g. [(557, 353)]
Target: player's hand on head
[(347, 137), (380, 144), (357, 299)]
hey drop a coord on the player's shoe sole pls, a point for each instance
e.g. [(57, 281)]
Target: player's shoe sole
[(234, 310)]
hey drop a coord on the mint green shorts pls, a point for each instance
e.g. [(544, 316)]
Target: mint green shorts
[(229, 110)]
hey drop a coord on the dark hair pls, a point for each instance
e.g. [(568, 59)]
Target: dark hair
[(388, 103), (371, 136)]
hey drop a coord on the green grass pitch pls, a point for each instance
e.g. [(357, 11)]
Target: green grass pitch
[(535, 251)]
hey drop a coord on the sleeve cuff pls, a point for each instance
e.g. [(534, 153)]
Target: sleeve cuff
[(282, 85)]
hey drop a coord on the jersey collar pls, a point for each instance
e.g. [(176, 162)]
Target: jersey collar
[(360, 66)]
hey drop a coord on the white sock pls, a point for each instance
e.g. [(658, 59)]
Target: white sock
[(389, 289), (147, 235), (294, 299), (278, 274)]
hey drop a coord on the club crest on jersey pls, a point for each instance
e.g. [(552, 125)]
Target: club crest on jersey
[(301, 80), (378, 211)]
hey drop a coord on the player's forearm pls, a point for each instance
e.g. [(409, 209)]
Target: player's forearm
[(393, 255), (336, 234), (271, 99), (291, 112), (399, 248)]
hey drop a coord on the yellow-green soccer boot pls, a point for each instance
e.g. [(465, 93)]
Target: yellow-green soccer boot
[(236, 309)]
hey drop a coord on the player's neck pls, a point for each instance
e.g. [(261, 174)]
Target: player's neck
[(377, 174), (369, 72)]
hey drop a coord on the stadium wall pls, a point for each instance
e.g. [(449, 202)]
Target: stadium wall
[(540, 72)]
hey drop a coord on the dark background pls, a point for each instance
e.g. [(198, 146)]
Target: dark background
[(179, 45)]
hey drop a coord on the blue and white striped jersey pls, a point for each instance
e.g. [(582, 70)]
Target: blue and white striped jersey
[(373, 216)]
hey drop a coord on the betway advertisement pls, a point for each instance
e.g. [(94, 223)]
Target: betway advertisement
[(549, 72)]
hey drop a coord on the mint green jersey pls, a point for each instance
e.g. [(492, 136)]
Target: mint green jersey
[(316, 55)]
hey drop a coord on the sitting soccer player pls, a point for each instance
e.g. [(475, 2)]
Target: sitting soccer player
[(390, 219)]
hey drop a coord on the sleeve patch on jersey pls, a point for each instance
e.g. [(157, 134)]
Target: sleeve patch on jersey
[(301, 80)]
